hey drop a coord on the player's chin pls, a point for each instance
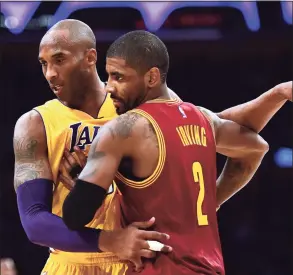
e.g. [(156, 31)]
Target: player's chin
[(121, 109), (61, 95)]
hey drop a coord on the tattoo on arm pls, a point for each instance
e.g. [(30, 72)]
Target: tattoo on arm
[(124, 125), (92, 165), (235, 168), (150, 133), (24, 149), (27, 171), (27, 167), (121, 129), (235, 175)]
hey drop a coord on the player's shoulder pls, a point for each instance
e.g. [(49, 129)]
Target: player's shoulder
[(31, 118), (30, 123), (208, 113), (128, 125), (211, 117), (50, 105), (198, 109)]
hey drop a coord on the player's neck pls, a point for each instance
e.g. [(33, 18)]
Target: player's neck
[(94, 97), (161, 92)]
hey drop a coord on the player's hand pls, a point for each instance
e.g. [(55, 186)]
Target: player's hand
[(285, 90), (8, 267), (131, 243), (73, 166)]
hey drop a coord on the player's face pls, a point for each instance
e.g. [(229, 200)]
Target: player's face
[(63, 67), (127, 87)]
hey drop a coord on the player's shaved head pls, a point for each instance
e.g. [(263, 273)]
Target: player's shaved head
[(72, 32), (68, 57)]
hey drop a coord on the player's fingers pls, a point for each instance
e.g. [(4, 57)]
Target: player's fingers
[(72, 161), (75, 171), (137, 264), (145, 224), (61, 166), (154, 235), (68, 183), (71, 165), (166, 249), (147, 253), (80, 155), (66, 165), (158, 246)]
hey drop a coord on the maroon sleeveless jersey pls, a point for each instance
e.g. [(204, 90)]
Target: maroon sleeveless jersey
[(181, 193)]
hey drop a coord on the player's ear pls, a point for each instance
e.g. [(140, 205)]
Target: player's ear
[(153, 77), (91, 57)]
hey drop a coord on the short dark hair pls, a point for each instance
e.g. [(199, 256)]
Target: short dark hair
[(142, 51)]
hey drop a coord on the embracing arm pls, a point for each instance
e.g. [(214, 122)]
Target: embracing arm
[(113, 141), (256, 113), (245, 150), (33, 183)]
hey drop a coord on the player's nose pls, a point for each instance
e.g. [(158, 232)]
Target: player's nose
[(51, 73), (110, 88)]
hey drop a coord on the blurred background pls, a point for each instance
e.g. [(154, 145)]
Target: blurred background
[(221, 53)]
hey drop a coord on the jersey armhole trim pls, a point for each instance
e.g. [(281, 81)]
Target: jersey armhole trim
[(210, 122), (162, 156)]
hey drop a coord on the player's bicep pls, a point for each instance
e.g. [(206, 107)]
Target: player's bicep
[(30, 149), (234, 140), (103, 159)]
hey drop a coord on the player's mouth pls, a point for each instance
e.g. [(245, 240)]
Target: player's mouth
[(56, 88), (117, 103)]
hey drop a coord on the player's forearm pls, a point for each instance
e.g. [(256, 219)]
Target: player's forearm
[(81, 204), (49, 230), (34, 200), (236, 174), (257, 113)]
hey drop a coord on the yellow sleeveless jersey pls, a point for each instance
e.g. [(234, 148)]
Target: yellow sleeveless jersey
[(66, 128)]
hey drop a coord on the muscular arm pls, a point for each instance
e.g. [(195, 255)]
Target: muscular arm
[(114, 141), (30, 150), (245, 150), (256, 113), (34, 188)]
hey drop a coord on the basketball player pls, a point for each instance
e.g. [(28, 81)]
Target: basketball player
[(162, 155), (39, 157), (254, 114), (68, 58)]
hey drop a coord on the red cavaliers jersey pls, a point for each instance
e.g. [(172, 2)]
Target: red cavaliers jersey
[(181, 193)]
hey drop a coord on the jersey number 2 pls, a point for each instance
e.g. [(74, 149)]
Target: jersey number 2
[(198, 177)]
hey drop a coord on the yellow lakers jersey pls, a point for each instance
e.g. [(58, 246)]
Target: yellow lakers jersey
[(66, 128)]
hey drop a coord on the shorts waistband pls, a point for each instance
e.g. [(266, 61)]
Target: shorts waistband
[(84, 258)]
